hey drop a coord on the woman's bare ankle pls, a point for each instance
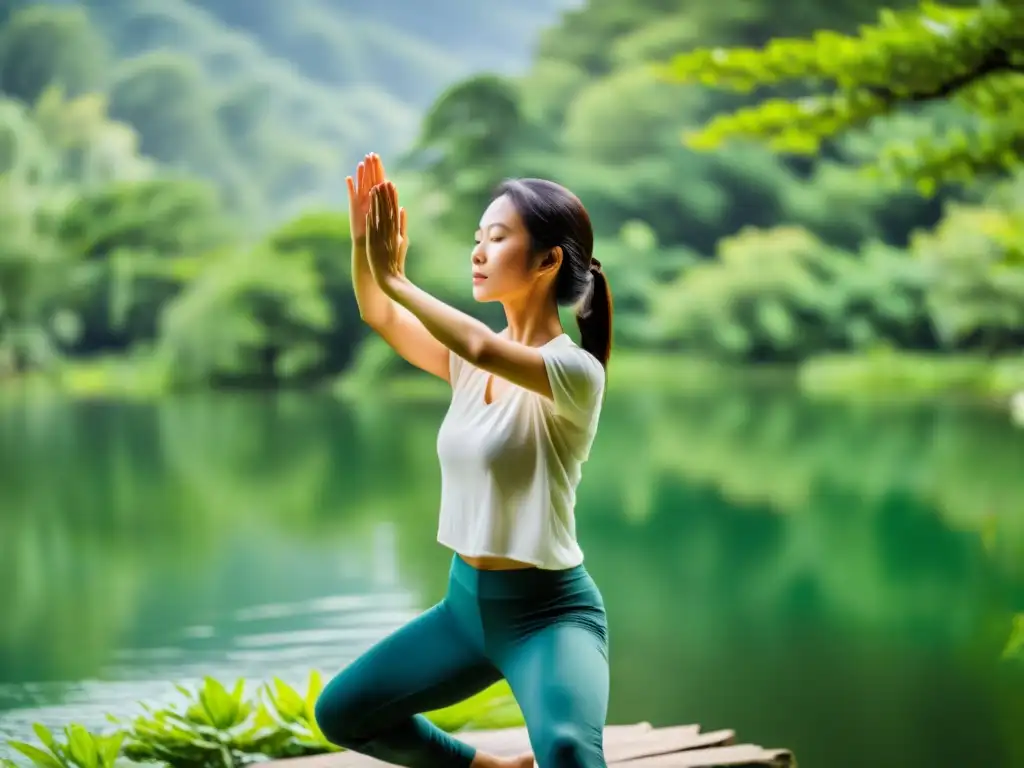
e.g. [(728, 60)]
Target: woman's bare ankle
[(487, 760)]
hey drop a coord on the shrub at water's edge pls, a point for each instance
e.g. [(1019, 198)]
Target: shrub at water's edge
[(226, 728)]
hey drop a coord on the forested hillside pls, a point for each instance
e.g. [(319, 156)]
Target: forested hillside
[(179, 200), (274, 100), (822, 265)]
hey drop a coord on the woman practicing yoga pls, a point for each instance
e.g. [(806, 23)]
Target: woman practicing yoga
[(523, 415)]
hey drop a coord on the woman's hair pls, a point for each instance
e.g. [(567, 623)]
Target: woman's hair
[(555, 217)]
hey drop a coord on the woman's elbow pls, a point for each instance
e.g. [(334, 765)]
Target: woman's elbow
[(479, 350), (376, 316)]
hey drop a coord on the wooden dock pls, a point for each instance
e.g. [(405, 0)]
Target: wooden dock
[(638, 746)]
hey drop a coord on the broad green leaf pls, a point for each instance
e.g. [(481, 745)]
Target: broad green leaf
[(218, 703), (46, 736), (110, 748), (286, 699), (36, 755), (81, 746)]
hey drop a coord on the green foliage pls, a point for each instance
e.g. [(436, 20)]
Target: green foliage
[(268, 102), (127, 231), (294, 713), (1015, 644), (168, 217), (43, 46), (51, 155), (971, 56), (906, 375), (783, 294), (217, 727), (468, 137), (248, 317), (80, 749), (592, 114), (220, 728)]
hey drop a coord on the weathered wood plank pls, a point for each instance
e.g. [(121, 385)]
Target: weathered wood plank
[(748, 755), (662, 741), (626, 746)]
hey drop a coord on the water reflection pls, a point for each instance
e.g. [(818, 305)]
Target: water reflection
[(832, 579)]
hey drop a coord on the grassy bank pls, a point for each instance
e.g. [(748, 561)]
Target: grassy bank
[(904, 375), (889, 374)]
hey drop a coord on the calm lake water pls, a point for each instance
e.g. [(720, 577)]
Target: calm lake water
[(834, 579)]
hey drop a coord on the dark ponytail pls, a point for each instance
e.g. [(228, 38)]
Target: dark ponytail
[(555, 218), (595, 316)]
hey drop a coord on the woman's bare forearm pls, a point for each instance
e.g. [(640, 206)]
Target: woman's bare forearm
[(392, 322), (375, 307)]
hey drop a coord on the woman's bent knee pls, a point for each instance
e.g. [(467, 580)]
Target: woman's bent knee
[(339, 715)]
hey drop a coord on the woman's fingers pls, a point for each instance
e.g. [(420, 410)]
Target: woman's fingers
[(378, 169), (394, 217), (387, 216), (351, 189)]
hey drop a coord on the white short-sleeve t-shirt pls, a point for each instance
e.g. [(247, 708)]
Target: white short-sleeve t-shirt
[(510, 468)]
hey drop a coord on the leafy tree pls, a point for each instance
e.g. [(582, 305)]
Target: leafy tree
[(165, 97), (250, 317), (52, 158), (324, 239), (467, 143), (783, 295), (129, 233), (975, 259), (34, 277), (971, 56), (44, 45)]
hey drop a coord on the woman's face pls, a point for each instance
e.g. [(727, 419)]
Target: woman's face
[(502, 261)]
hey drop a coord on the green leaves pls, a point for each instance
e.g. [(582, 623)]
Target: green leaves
[(218, 727), (797, 126), (972, 56), (37, 756), (1015, 644), (217, 708), (81, 749), (782, 294), (294, 713)]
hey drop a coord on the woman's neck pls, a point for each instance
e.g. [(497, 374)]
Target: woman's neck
[(532, 326)]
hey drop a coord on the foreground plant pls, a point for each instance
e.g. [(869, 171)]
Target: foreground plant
[(293, 714), (80, 749), (221, 728), (970, 57), (217, 727)]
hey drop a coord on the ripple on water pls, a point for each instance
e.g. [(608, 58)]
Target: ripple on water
[(257, 643)]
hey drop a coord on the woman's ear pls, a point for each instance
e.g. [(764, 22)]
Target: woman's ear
[(552, 260)]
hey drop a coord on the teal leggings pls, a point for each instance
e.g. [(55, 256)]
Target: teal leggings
[(543, 631)]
